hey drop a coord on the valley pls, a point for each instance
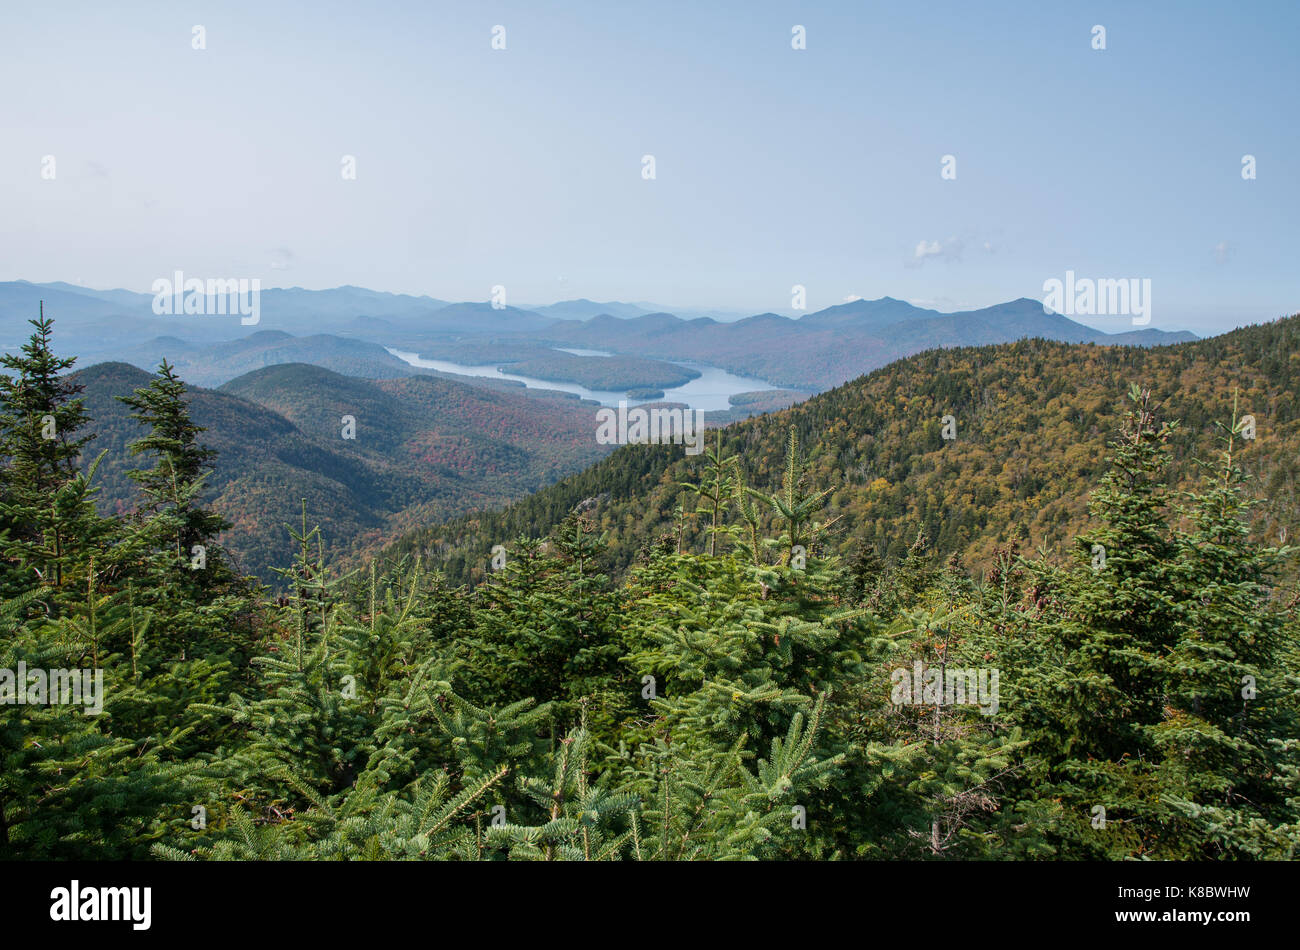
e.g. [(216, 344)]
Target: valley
[(425, 449)]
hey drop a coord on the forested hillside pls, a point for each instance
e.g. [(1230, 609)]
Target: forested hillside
[(740, 692), (422, 448), (1031, 423)]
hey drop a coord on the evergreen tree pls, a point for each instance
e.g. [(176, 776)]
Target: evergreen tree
[(1102, 638), (69, 787), (714, 489), (1227, 693), (41, 416), (172, 487), (549, 628)]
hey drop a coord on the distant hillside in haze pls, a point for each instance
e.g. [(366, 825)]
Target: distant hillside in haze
[(824, 349), (583, 309), (811, 354), (93, 322), (212, 364)]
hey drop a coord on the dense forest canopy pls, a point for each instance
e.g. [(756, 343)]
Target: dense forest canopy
[(1032, 421), (771, 650)]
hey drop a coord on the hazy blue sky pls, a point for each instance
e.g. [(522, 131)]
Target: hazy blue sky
[(522, 166)]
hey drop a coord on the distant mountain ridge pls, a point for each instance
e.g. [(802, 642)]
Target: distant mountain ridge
[(583, 309), (812, 353), (212, 364), (832, 346)]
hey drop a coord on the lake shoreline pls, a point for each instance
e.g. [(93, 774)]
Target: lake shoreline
[(710, 391)]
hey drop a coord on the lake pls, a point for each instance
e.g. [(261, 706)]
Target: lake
[(710, 391)]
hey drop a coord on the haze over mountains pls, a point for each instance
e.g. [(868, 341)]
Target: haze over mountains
[(834, 345), (333, 327)]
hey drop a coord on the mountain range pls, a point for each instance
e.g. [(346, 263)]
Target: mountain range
[(831, 346)]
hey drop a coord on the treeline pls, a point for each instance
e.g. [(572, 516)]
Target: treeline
[(741, 692)]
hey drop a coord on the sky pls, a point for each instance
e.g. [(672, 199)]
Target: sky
[(523, 167)]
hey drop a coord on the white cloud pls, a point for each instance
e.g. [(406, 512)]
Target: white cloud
[(949, 250)]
